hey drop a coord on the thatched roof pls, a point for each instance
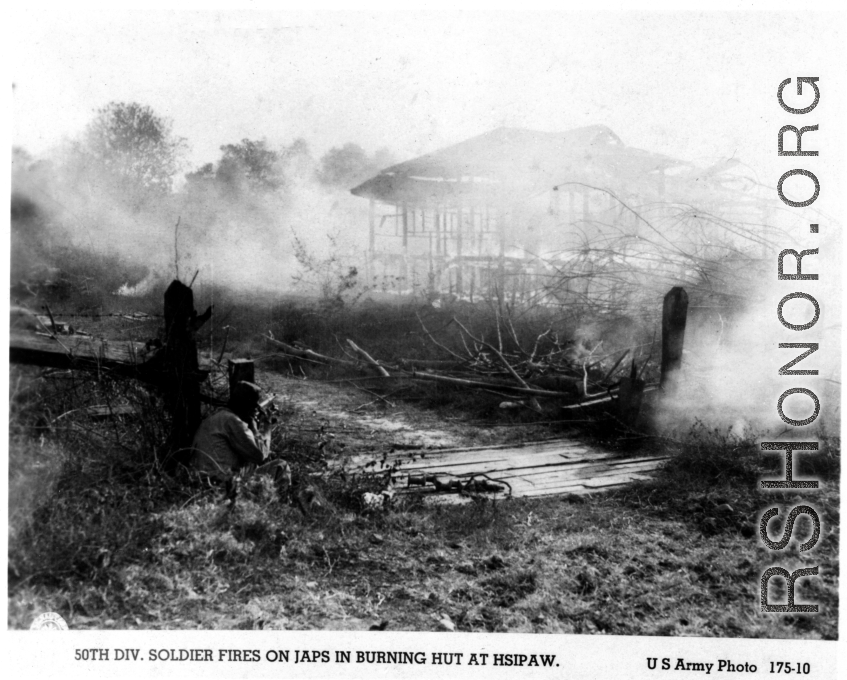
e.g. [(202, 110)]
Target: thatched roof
[(508, 164)]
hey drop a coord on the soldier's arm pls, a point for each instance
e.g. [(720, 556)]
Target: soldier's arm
[(243, 442)]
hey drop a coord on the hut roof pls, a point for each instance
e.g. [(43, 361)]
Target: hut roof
[(511, 163)]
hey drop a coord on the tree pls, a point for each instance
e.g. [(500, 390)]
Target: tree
[(201, 177), (250, 163), (297, 160), (344, 165), (134, 146), (350, 165)]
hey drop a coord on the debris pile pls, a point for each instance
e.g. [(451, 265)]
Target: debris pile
[(571, 373)]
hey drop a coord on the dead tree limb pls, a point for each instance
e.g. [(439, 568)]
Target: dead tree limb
[(373, 363), (464, 382), (53, 328), (533, 402), (417, 364), (514, 335), (438, 344), (537, 342), (223, 348), (497, 353), (612, 369), (379, 397), (307, 353)]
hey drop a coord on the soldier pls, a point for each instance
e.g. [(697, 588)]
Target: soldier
[(228, 442)]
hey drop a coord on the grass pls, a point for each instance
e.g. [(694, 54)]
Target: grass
[(102, 536), (542, 566), (108, 543)]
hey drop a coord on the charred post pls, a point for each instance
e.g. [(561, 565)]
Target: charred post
[(239, 370), (181, 370), (674, 315), (630, 397)]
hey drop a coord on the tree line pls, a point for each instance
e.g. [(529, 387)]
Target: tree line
[(119, 186), (138, 149)]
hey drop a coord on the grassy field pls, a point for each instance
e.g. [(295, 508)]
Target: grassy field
[(98, 535)]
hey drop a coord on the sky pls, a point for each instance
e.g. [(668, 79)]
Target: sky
[(693, 85)]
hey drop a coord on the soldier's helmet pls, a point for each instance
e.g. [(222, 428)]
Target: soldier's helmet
[(245, 396)]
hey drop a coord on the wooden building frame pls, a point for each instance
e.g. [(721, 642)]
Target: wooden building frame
[(460, 220)]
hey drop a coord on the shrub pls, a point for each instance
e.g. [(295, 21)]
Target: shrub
[(708, 455)]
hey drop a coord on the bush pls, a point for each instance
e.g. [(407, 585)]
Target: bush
[(82, 487), (709, 455), (89, 280)]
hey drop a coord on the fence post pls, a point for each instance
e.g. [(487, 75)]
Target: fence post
[(630, 397), (182, 377), (674, 315), (240, 369)]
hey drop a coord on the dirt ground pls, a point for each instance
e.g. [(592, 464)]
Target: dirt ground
[(364, 422), (636, 561)]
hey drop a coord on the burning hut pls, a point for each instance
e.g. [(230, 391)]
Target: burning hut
[(495, 209)]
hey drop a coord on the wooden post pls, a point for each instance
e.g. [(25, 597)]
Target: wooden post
[(405, 227), (181, 372), (630, 396), (459, 263), (238, 370), (674, 314), (404, 271), (501, 272), (371, 227)]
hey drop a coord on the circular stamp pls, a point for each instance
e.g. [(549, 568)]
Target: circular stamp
[(48, 621)]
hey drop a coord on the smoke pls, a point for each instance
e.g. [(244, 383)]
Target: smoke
[(232, 223), (730, 376), (276, 220)]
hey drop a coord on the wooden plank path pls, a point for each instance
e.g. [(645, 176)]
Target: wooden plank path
[(548, 468)]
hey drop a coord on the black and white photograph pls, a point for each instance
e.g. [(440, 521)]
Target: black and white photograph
[(365, 335)]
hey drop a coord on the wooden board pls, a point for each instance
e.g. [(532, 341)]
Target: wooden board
[(489, 464), (563, 466), (64, 349), (431, 459), (562, 445), (83, 351), (579, 472)]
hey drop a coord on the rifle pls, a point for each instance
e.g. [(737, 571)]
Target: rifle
[(264, 403), (266, 418)]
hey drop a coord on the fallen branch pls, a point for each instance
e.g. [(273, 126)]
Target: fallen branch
[(223, 349), (533, 403), (417, 364), (438, 344), (378, 398), (373, 394), (369, 359), (462, 382), (612, 369), (307, 353)]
